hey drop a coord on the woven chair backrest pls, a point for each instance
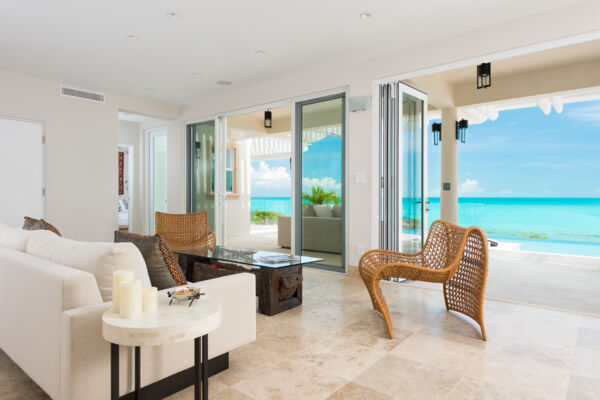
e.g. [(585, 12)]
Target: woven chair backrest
[(444, 245), (182, 228)]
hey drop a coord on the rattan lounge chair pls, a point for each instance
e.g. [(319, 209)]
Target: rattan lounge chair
[(185, 231), (452, 255)]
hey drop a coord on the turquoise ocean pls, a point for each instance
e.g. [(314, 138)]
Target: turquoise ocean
[(569, 225)]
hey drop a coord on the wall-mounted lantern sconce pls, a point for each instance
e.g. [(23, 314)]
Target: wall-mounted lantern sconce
[(484, 76), (268, 119), (461, 130), (436, 128)]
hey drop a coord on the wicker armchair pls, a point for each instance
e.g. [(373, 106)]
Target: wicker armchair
[(452, 255), (185, 231)]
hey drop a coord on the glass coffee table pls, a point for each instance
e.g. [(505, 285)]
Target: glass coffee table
[(278, 276)]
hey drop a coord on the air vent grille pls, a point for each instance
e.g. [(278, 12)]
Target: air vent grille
[(82, 94)]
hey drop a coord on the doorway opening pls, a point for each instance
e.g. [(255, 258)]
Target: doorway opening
[(523, 171), (125, 171), (275, 186), (258, 180)]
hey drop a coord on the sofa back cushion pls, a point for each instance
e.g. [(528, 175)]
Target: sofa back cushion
[(13, 238), (98, 258), (337, 210), (324, 211), (308, 210)]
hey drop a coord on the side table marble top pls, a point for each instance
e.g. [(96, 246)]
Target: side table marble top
[(173, 323)]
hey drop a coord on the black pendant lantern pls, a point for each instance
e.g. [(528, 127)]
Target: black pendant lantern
[(268, 119), (484, 76), (436, 128)]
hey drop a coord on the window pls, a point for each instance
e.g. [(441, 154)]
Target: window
[(230, 170)]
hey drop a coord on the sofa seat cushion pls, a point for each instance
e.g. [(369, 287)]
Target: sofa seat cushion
[(14, 238), (163, 269), (98, 258)]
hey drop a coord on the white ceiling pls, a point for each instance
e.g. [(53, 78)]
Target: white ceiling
[(84, 42), (556, 57)]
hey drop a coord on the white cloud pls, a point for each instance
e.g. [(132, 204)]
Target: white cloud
[(327, 183), (470, 186), (590, 114), (271, 178)]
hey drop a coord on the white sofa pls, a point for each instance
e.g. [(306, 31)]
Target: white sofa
[(52, 304)]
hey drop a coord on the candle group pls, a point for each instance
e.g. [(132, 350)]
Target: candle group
[(129, 299)]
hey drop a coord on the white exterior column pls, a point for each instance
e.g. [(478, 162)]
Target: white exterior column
[(449, 165)]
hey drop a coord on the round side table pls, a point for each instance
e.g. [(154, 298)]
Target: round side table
[(173, 323)]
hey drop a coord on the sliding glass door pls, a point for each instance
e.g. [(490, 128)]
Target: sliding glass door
[(201, 169), (320, 197), (403, 211)]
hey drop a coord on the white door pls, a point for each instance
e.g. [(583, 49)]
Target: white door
[(157, 156), (21, 171)]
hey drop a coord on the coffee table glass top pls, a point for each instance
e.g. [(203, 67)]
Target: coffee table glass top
[(256, 258)]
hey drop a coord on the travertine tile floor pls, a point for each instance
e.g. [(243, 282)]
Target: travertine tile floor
[(334, 347)]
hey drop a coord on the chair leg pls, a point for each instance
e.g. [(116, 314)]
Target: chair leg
[(471, 306), (381, 305)]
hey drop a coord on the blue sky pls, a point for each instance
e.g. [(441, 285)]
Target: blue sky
[(322, 165), (525, 153)]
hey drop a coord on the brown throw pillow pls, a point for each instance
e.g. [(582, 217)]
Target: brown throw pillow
[(163, 269), (32, 224)]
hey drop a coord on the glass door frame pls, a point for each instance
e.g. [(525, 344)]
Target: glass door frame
[(220, 127), (297, 185), (150, 135), (390, 120)]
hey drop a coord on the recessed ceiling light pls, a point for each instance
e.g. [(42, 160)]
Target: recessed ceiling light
[(260, 52), (133, 37), (197, 75), (173, 15), (148, 89), (224, 83), (365, 15)]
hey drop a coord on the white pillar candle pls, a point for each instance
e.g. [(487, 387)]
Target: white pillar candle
[(130, 302), (149, 299), (118, 277)]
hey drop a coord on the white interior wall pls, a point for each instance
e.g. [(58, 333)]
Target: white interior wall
[(507, 39), (81, 150)]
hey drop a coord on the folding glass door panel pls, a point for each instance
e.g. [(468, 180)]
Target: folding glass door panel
[(413, 214), (201, 169), (157, 152), (402, 167), (320, 180)]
